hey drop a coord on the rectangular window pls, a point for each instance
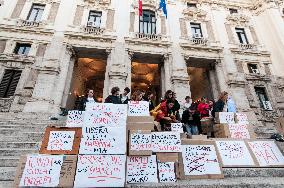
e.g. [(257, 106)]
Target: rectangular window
[(36, 13), (253, 68), (147, 22), (9, 83), (242, 35), (263, 99), (94, 19), (233, 11), (196, 30), (22, 49), (191, 5)]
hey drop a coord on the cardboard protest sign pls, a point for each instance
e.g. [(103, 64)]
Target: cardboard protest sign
[(100, 171), (42, 170), (61, 140), (166, 142), (75, 118), (142, 169), (225, 117), (199, 159), (106, 114), (241, 118), (239, 131), (140, 143), (103, 140), (234, 153), (167, 172), (138, 108), (177, 127), (267, 153), (38, 178)]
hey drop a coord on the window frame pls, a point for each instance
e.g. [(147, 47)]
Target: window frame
[(193, 27), (240, 34), (151, 26), (191, 5), (38, 8), (251, 67), (26, 48), (233, 11), (264, 95), (96, 15)]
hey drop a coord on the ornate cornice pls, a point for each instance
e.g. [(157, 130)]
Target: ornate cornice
[(238, 19)]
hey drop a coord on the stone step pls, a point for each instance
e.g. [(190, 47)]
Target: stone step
[(7, 173), (253, 172), (34, 138), (239, 182), (17, 132), (6, 184), (12, 130), (16, 152), (24, 145), (9, 161)]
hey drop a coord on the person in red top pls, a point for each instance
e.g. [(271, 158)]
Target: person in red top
[(166, 116), (203, 108)]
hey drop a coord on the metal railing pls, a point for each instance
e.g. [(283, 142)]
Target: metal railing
[(199, 41), (247, 46), (26, 23)]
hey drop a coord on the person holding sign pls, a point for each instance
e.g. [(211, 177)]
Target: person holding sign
[(88, 98), (124, 96), (166, 115), (137, 96)]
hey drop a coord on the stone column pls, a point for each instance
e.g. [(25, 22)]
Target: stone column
[(166, 69), (220, 76), (214, 84), (49, 88)]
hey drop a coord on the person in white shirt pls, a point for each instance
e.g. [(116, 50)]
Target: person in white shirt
[(88, 98), (124, 96)]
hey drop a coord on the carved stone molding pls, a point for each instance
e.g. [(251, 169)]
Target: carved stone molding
[(195, 14), (14, 60), (238, 19)]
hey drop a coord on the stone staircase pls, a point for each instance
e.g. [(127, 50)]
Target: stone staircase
[(22, 134)]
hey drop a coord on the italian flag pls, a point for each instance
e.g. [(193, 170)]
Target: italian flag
[(140, 7)]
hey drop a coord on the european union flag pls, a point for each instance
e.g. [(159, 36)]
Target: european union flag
[(163, 6)]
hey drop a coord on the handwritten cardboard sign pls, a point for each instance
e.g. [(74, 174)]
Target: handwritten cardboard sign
[(61, 140), (166, 142), (138, 108), (105, 114), (42, 171), (103, 140), (241, 118), (75, 118), (142, 169), (100, 171), (167, 172), (177, 127), (239, 131), (234, 153), (67, 173), (140, 142), (225, 117), (199, 160), (267, 153)]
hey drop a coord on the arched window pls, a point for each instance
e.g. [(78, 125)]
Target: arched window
[(147, 22)]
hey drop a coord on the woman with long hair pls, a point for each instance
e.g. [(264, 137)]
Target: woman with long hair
[(220, 104)]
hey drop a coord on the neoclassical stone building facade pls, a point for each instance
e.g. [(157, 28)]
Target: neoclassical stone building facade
[(51, 51)]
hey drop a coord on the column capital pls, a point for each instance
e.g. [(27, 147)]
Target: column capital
[(130, 53), (71, 50), (108, 51)]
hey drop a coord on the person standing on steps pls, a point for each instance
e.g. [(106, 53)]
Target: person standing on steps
[(114, 97), (88, 98), (124, 96)]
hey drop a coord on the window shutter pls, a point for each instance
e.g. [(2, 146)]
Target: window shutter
[(109, 22), (183, 28), (2, 45), (9, 83), (41, 50), (78, 16), (230, 33), (14, 83), (163, 26), (253, 34), (18, 9), (53, 12), (132, 20)]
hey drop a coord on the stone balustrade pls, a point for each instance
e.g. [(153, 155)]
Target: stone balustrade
[(94, 30), (199, 41), (247, 46), (5, 104), (151, 37), (27, 23)]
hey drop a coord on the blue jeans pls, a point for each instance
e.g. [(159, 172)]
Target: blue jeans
[(192, 129)]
